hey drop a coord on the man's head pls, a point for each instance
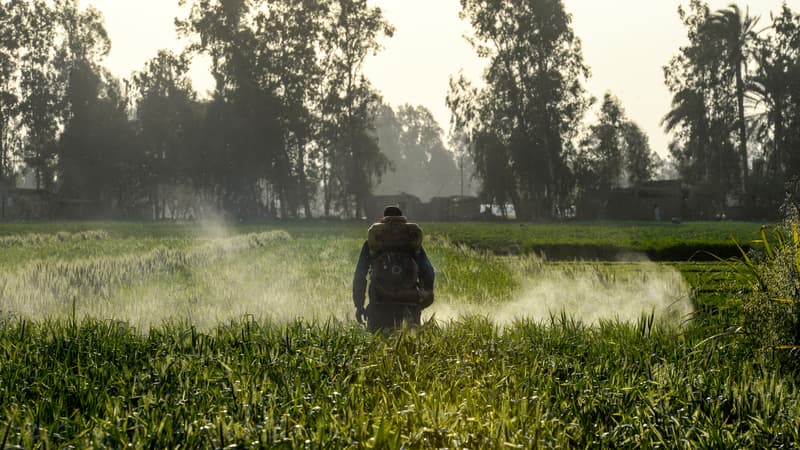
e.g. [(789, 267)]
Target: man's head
[(392, 211)]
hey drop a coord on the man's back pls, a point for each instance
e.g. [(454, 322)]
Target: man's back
[(401, 275)]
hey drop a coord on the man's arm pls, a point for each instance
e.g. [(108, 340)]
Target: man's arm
[(360, 277)]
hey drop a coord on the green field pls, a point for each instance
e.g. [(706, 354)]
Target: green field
[(164, 335)]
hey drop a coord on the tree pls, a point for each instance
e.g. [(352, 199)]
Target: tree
[(736, 32), (704, 118), (92, 148), (290, 34), (247, 151), (10, 37), (616, 152), (41, 80), (351, 160), (421, 165), (772, 87), (528, 109), (641, 162), (166, 113)]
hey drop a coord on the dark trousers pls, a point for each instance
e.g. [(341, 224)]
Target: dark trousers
[(389, 316)]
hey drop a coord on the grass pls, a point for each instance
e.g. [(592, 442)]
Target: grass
[(660, 241), (468, 384), (193, 337)]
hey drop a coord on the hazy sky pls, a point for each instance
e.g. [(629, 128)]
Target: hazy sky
[(626, 43)]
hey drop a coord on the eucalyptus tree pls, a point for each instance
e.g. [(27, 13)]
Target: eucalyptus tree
[(246, 149), (41, 86), (352, 163), (615, 153), (641, 161), (167, 117), (292, 96), (532, 99), (95, 125), (11, 32)]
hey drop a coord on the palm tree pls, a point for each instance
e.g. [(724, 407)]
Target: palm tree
[(689, 110), (736, 32), (771, 87)]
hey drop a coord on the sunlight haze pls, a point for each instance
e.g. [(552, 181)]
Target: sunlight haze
[(625, 43)]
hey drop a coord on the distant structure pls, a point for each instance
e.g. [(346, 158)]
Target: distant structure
[(438, 209), (661, 200), (651, 200), (21, 203)]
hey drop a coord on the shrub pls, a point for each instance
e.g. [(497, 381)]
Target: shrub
[(771, 305)]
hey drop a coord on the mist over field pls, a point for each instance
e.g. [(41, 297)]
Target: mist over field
[(220, 276), (588, 294)]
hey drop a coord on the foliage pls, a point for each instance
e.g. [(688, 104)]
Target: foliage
[(168, 120), (251, 383), (772, 301), (219, 358), (292, 108), (775, 100), (421, 164), (522, 122), (703, 111), (616, 153), (733, 89)]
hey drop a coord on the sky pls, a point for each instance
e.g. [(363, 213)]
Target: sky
[(626, 44)]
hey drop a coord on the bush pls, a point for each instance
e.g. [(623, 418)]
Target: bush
[(771, 305)]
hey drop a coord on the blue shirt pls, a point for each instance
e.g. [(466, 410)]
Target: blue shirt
[(426, 274)]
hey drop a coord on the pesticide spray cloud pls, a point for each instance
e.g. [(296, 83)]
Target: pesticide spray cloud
[(223, 276), (588, 292)]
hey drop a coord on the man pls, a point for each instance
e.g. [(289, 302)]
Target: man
[(401, 275)]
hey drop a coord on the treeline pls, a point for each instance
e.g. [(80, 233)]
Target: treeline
[(293, 127), (290, 119), (736, 104)]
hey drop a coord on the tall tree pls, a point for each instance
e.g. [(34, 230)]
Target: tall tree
[(352, 162), (532, 99), (775, 81), (247, 145), (290, 36), (704, 117), (421, 164), (10, 36), (96, 132), (42, 76), (166, 113), (736, 30), (641, 161), (616, 152)]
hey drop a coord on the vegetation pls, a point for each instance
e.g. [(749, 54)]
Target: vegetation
[(469, 384), (771, 325), (174, 334), (293, 127), (728, 73), (615, 153), (522, 122)]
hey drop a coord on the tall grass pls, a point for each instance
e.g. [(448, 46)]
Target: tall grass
[(247, 340), (270, 275), (469, 384), (771, 304)]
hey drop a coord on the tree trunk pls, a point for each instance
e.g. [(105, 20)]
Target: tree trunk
[(742, 128)]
